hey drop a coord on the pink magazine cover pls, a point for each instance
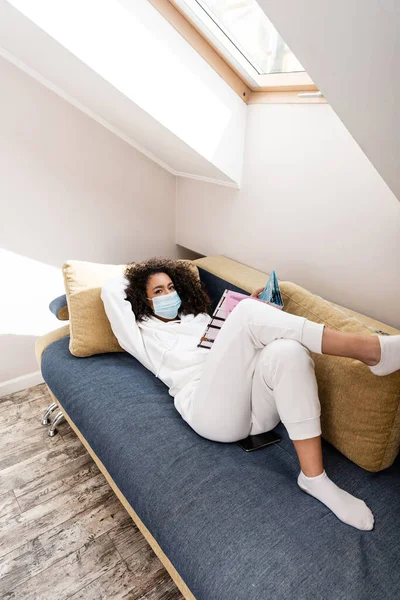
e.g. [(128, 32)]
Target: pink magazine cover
[(225, 306)]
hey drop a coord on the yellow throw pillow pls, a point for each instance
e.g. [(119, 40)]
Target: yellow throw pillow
[(90, 329)]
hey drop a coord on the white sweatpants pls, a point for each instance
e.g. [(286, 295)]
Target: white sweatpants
[(259, 372)]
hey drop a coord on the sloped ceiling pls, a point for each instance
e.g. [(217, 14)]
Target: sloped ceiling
[(124, 65), (351, 50)]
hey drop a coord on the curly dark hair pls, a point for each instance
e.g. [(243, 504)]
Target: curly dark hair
[(192, 291)]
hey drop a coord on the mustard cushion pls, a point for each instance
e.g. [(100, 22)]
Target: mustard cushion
[(360, 412), (90, 330)]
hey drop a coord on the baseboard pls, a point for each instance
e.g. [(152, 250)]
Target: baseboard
[(20, 383)]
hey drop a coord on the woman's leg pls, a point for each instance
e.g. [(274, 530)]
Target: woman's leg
[(218, 405), (284, 386), (380, 352), (285, 389), (365, 348), (310, 456)]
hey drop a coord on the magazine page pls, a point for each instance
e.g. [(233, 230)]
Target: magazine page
[(270, 295), (218, 319)]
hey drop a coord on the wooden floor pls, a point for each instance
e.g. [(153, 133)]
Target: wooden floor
[(63, 532)]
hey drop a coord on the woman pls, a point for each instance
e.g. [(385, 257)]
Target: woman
[(258, 372)]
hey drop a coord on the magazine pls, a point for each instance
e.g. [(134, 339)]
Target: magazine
[(271, 294)]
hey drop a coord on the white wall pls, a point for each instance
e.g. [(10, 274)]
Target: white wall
[(69, 189), (311, 206), (351, 50)]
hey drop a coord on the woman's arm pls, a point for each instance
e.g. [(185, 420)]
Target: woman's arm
[(122, 319)]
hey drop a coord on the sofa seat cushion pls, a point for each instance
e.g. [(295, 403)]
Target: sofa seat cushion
[(360, 412), (234, 524)]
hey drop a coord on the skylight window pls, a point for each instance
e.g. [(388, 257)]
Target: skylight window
[(243, 33)]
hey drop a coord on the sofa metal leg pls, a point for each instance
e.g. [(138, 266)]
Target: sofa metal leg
[(57, 419), (47, 413)]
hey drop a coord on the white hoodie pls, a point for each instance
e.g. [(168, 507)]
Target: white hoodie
[(169, 350)]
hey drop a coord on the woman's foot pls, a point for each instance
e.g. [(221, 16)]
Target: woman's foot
[(389, 361), (347, 508)]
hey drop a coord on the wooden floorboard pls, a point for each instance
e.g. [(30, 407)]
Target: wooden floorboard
[(9, 505), (127, 538), (63, 532), (37, 463)]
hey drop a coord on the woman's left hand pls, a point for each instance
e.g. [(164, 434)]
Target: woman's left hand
[(255, 293)]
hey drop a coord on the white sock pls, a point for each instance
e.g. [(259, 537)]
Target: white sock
[(346, 507), (390, 355)]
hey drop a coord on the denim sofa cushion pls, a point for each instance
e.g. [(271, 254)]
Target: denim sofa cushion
[(234, 524)]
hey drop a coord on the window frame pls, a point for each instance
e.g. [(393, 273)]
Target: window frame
[(232, 55), (269, 88)]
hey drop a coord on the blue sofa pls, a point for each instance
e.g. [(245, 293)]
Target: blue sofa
[(227, 524)]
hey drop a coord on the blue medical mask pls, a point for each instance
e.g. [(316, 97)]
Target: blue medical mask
[(167, 305)]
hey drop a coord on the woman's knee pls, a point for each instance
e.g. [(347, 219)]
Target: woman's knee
[(250, 310), (287, 352), (249, 306)]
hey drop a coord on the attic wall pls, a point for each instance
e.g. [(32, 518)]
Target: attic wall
[(311, 206)]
